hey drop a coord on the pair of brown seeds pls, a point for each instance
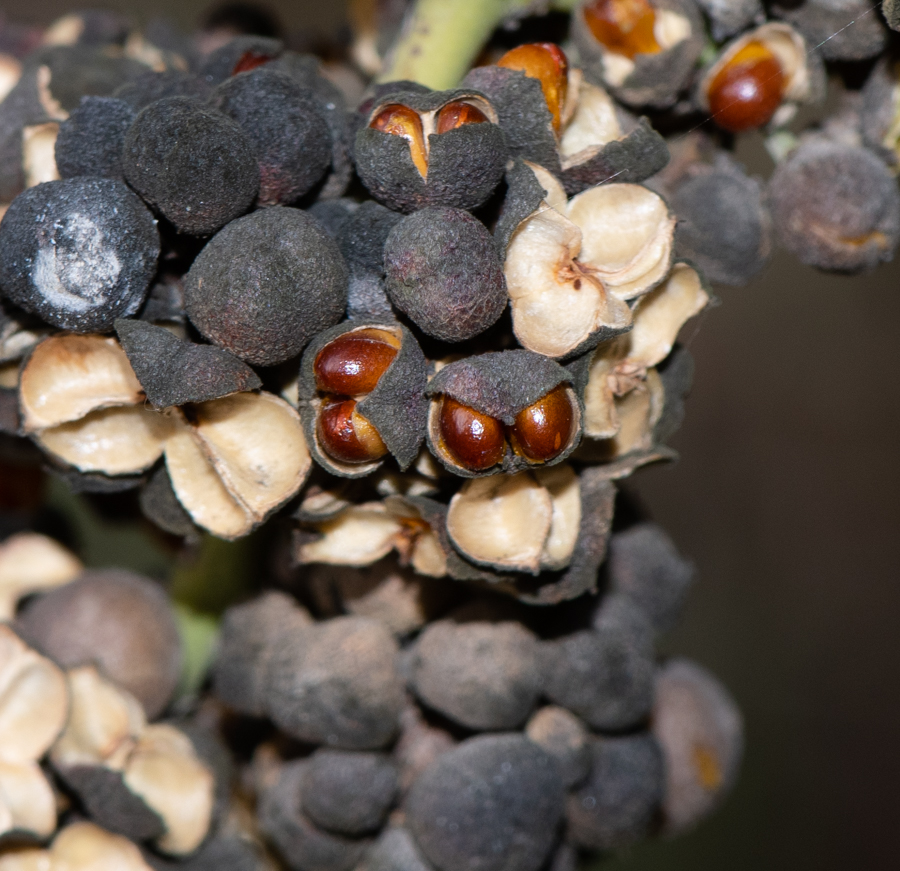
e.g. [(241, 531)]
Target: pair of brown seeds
[(351, 366)]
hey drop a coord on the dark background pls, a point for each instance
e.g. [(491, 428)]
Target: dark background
[(787, 496)]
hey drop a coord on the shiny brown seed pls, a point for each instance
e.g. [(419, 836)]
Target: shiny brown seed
[(546, 62), (474, 440), (543, 431), (623, 26), (402, 121), (457, 114), (346, 435), (353, 363), (748, 90)]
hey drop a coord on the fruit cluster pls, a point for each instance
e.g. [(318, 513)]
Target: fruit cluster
[(426, 332), (411, 724)]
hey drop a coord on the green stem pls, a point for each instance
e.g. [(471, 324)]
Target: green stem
[(215, 575), (441, 38)]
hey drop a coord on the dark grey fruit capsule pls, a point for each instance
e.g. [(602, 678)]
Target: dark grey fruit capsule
[(616, 806), (77, 71), (362, 396), (565, 738), (484, 676), (160, 505), (443, 270), (152, 86), (119, 621), (363, 234), (872, 113), (509, 410), (108, 801), (337, 684), (239, 55), (306, 71), (286, 125), (701, 732), (302, 845), (605, 675), (835, 207), (729, 17), (192, 163), (418, 148), (638, 77), (418, 745), (266, 284), (348, 792), (53, 82), (841, 30), (645, 566), (94, 27), (724, 226), (174, 372), (611, 144), (250, 634), (334, 214), (493, 803), (91, 139), (395, 850), (219, 852), (361, 238), (78, 253), (891, 9)]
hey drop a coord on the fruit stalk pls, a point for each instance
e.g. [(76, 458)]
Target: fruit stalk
[(441, 38)]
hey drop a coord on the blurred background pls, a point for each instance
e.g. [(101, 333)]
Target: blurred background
[(787, 496)]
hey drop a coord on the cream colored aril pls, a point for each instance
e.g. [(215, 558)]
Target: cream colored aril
[(80, 846), (526, 522), (232, 461), (571, 266), (30, 562), (34, 704), (620, 366), (363, 534), (157, 762)]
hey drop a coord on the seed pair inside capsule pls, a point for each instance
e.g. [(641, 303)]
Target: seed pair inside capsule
[(403, 121), (477, 441), (347, 370)]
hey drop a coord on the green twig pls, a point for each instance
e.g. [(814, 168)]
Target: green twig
[(441, 38), (216, 574)]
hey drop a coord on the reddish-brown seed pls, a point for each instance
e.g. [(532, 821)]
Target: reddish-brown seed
[(457, 114), (346, 435), (402, 121), (546, 62), (543, 431), (623, 26), (748, 90), (474, 440), (353, 363), (250, 60)]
